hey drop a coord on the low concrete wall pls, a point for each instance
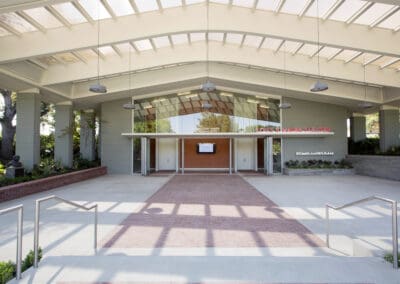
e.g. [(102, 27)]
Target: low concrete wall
[(318, 172), (26, 188), (376, 166)]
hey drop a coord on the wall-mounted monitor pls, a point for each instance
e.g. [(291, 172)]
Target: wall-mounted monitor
[(206, 148)]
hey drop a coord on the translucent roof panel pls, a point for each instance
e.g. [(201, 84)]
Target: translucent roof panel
[(234, 38), (121, 7), (220, 1), (253, 41), (161, 41), (66, 57), (188, 2), (16, 22), (124, 47), (197, 36), (180, 39), (308, 49), (381, 61), (171, 3), (244, 3), (95, 9), (373, 13), (143, 44), (267, 4), (323, 7), (365, 58), (293, 6), (347, 54), (70, 13), (88, 53), (389, 62), (107, 50), (216, 36), (328, 52), (271, 43), (48, 60), (44, 17), (146, 5), (347, 9), (392, 22), (291, 46)]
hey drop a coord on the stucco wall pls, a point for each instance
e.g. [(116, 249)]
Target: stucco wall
[(376, 166), (116, 151), (313, 114)]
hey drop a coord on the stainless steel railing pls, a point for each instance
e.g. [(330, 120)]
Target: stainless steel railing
[(37, 221), (20, 209), (395, 240)]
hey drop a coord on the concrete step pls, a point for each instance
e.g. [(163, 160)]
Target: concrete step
[(121, 268)]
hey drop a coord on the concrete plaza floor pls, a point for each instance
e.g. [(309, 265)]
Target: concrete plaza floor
[(66, 236)]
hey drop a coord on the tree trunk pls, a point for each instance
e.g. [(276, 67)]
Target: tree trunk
[(8, 130)]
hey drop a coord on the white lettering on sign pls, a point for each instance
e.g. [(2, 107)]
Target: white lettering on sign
[(206, 147), (315, 153)]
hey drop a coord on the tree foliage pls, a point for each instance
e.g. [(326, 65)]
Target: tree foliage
[(211, 120)]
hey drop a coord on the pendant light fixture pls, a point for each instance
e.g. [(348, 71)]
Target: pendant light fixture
[(284, 105), (318, 86), (97, 87), (130, 105), (365, 104), (208, 86)]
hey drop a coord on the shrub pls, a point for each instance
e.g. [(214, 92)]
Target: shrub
[(389, 258), (29, 258), (81, 164), (318, 164), (7, 271)]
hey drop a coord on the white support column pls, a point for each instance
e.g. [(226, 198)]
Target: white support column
[(235, 155), (255, 154), (177, 155), (63, 150), (28, 128), (389, 127), (230, 156), (157, 154), (144, 156), (88, 135), (268, 159)]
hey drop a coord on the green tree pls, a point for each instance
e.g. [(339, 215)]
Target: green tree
[(212, 120)]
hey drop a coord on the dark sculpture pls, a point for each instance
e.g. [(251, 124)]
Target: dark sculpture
[(15, 162), (14, 168)]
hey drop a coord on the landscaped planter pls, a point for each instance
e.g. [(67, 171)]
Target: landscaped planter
[(30, 187), (387, 167), (318, 172)]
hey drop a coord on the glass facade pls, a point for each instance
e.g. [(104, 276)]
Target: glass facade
[(200, 112)]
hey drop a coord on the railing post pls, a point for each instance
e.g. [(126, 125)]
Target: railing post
[(327, 225), (36, 234), (395, 236), (95, 228), (19, 241)]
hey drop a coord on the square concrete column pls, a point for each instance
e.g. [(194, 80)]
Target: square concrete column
[(389, 128), (88, 135), (28, 128), (358, 127), (64, 118)]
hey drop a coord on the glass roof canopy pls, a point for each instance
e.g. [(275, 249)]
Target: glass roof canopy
[(69, 13)]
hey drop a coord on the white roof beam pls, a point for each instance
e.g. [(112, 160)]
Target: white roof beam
[(358, 54), (306, 7), (79, 56), (99, 53), (58, 16), (83, 12), (134, 6), (117, 50), (153, 45), (390, 62), (10, 29), (134, 47), (280, 46), (317, 51), (189, 38), (332, 9), (224, 38), (184, 3), (109, 9), (31, 20), (261, 23), (385, 16), (261, 42), (38, 63), (335, 54), (171, 42), (298, 48), (159, 4), (59, 61), (243, 39), (255, 5), (372, 60), (359, 13), (279, 6)]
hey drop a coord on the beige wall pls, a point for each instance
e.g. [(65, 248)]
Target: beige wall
[(116, 151), (312, 114)]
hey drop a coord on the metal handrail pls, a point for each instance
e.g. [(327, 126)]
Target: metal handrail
[(37, 220), (395, 240), (20, 209)]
